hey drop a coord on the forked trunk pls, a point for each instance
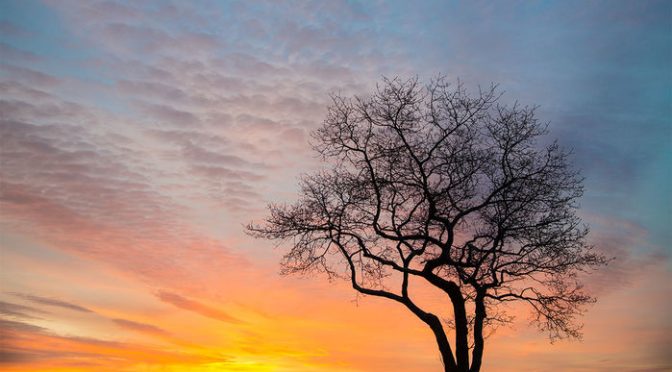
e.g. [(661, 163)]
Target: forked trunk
[(447, 357), (444, 346)]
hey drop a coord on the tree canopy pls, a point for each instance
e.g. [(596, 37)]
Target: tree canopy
[(431, 183)]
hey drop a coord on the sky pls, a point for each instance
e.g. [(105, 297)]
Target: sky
[(138, 138)]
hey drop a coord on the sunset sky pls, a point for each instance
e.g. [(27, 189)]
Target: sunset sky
[(138, 138)]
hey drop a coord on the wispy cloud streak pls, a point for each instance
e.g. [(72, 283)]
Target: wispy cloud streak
[(53, 302), (197, 307)]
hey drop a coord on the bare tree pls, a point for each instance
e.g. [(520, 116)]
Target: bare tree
[(431, 184)]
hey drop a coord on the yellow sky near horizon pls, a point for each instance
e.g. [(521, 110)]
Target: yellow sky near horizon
[(95, 316)]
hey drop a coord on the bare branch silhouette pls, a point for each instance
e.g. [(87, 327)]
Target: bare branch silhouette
[(430, 183)]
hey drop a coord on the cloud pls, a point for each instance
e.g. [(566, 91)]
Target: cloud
[(139, 327), (169, 115), (19, 311), (134, 37), (197, 307), (91, 193), (30, 76), (11, 325), (25, 344), (201, 155), (153, 130), (257, 105), (9, 53), (8, 28), (53, 302), (71, 175), (16, 89), (152, 89), (627, 245)]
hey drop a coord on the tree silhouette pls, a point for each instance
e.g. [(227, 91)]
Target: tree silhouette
[(431, 184)]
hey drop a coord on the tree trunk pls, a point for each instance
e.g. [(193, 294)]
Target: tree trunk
[(442, 341), (478, 333), (461, 332)]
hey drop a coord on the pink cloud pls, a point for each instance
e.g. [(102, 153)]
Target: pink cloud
[(139, 327), (197, 307)]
